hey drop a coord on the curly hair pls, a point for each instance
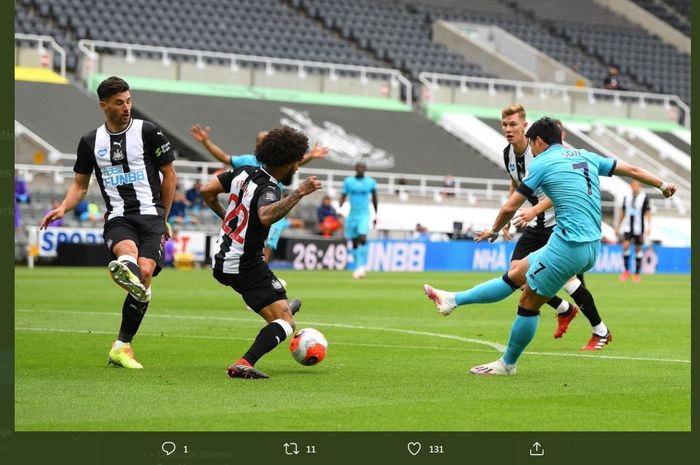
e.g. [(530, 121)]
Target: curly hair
[(281, 147)]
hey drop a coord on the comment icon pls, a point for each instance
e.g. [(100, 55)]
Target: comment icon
[(168, 447)]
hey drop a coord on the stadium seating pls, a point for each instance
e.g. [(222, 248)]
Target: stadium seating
[(676, 13), (645, 61)]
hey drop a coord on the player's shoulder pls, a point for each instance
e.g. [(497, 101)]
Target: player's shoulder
[(148, 127), (89, 136)]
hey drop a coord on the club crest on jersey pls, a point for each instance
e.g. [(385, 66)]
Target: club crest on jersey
[(276, 284), (117, 155)]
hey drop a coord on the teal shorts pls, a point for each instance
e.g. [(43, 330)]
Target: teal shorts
[(555, 263), (273, 236), (356, 225)]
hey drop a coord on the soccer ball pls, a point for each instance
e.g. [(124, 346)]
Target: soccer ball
[(308, 346)]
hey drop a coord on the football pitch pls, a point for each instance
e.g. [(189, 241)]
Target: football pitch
[(394, 364)]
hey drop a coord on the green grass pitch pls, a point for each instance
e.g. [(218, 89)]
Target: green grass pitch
[(394, 364)]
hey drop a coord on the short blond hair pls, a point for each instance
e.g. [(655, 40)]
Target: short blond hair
[(514, 109)]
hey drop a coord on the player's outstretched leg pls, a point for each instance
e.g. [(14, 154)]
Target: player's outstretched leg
[(444, 301), (490, 291), (126, 273)]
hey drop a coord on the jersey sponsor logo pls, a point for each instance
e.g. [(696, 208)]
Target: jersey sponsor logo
[(162, 149), (113, 176), (344, 147), (270, 196), (102, 152)]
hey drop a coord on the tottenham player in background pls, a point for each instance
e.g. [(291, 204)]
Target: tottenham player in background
[(359, 188), (128, 157), (255, 204)]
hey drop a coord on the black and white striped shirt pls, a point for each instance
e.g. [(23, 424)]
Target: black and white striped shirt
[(242, 235), (516, 167), (126, 166)]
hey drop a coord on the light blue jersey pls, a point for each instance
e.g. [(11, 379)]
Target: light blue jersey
[(359, 192), (569, 177)]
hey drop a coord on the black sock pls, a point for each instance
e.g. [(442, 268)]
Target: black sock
[(133, 267), (584, 299), (132, 314), (638, 264), (555, 301), (580, 278), (626, 257), (268, 338)]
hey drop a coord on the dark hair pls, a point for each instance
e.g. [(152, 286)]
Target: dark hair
[(282, 146), (547, 129), (110, 86)]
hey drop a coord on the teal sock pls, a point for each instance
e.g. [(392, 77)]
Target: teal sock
[(522, 332), (490, 291), (362, 254), (355, 259)]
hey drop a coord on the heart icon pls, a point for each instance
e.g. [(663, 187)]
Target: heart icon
[(413, 447)]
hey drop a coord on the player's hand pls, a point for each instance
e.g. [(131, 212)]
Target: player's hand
[(201, 135), (670, 190), (506, 232), (524, 216), (52, 216), (317, 151), (168, 231), (487, 234), (309, 185)]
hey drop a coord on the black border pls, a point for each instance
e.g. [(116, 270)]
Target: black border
[(267, 448)]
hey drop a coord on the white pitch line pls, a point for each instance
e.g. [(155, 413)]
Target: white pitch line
[(494, 345)]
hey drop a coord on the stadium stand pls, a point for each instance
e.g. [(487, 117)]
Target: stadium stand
[(392, 32), (644, 60), (676, 13), (411, 154)]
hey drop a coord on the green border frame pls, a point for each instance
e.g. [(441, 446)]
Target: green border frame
[(335, 448)]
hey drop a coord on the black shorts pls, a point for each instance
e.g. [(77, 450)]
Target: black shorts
[(258, 286), (636, 239), (147, 231), (531, 240)]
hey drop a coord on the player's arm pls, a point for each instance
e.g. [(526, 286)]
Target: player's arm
[(528, 214), (507, 211), (168, 186), (274, 211), (210, 193), (76, 193), (317, 151), (202, 136), (642, 175), (342, 200)]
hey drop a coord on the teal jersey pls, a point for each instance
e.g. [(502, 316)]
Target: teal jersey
[(569, 177), (244, 160), (247, 160), (359, 191)]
